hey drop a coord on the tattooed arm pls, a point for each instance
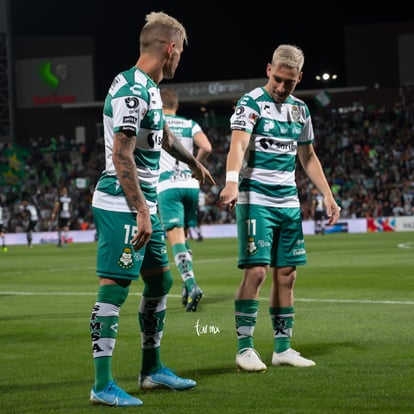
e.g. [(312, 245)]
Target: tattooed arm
[(123, 158), (177, 150)]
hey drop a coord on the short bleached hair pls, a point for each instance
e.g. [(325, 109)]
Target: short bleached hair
[(161, 28), (290, 56)]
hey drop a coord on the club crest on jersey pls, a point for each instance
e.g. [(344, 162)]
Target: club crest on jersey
[(125, 260), (251, 248), (295, 113)]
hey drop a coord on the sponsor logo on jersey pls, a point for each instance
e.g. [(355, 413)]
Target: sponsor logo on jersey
[(239, 110), (131, 102), (129, 120)]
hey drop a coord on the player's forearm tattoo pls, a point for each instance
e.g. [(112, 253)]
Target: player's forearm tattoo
[(127, 170), (177, 150)]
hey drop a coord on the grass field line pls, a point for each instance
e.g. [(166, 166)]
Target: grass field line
[(92, 268), (367, 301)]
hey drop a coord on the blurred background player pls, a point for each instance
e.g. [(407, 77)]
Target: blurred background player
[(62, 212), (30, 217), (195, 233), (178, 194), (318, 211), (2, 231)]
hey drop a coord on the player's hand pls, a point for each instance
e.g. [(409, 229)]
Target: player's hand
[(333, 211), (144, 233), (229, 194), (201, 173)]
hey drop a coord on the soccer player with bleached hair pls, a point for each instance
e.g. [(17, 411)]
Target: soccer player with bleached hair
[(270, 129), (130, 236)]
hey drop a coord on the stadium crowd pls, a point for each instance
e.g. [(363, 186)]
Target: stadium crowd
[(367, 153)]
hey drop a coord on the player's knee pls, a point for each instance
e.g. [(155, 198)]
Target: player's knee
[(167, 281), (157, 284), (115, 294)]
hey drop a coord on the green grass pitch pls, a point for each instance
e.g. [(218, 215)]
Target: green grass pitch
[(354, 316)]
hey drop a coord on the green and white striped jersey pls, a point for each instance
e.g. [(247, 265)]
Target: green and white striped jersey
[(268, 170), (133, 103), (174, 173)]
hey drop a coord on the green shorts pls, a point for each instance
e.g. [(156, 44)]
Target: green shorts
[(116, 257), (178, 207), (270, 236)]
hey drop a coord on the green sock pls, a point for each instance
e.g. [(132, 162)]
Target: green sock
[(151, 317), (282, 323), (188, 247), (245, 312), (104, 329)]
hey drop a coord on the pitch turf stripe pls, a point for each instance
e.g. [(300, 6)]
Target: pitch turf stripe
[(380, 302), (93, 268)]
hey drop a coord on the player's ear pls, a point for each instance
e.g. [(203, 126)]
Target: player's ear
[(170, 49)]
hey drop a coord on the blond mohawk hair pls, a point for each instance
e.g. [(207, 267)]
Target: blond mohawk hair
[(161, 27)]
